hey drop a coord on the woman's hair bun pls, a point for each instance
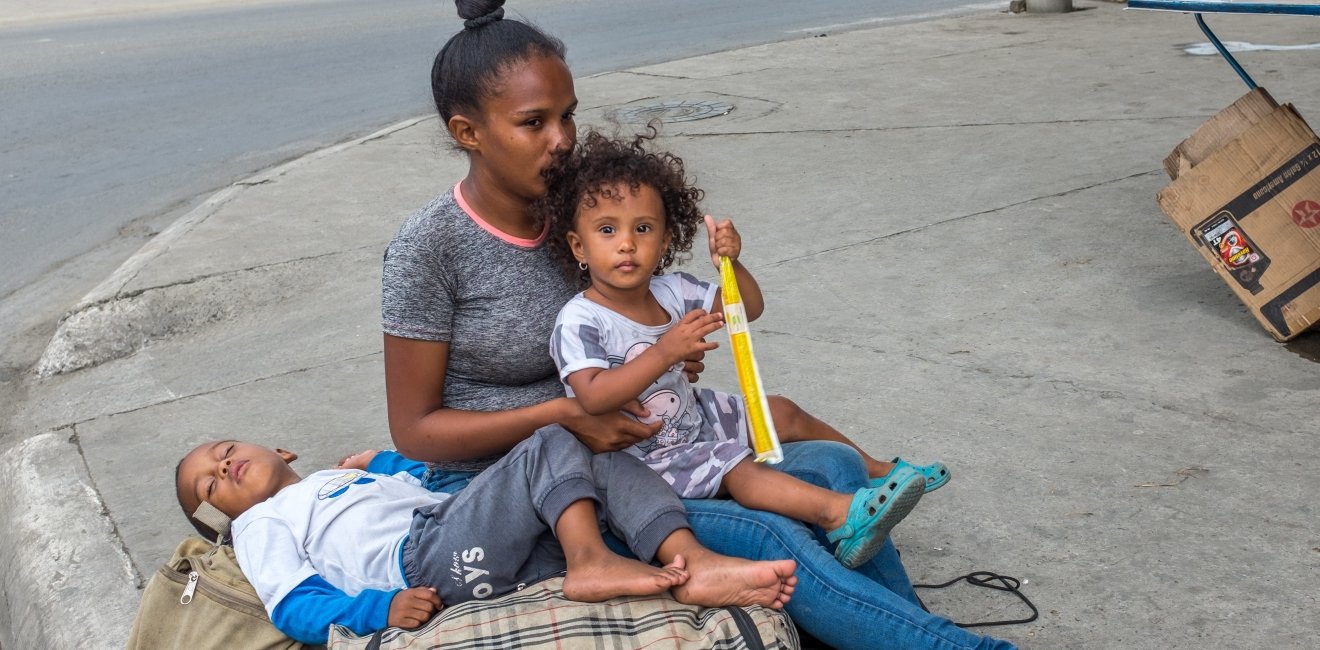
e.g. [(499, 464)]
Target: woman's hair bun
[(479, 21), (476, 13), (464, 73)]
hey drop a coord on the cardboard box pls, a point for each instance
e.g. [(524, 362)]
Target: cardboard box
[(1218, 131), (1246, 193)]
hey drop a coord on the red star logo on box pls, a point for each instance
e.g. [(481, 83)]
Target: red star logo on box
[(1306, 214)]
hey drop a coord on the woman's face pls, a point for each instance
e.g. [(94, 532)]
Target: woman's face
[(527, 119)]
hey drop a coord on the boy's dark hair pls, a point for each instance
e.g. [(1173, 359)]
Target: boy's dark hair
[(465, 69), (587, 173), (201, 528)]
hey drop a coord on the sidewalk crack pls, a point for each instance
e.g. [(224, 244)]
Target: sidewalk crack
[(1005, 46), (193, 218), (725, 75), (657, 74), (596, 107), (138, 581), (1007, 373), (818, 339), (956, 219), (963, 125), (254, 380), (207, 276)]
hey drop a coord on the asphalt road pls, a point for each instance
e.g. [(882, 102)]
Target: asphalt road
[(108, 124)]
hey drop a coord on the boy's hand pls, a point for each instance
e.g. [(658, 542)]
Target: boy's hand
[(411, 607), (688, 336), (359, 460), (724, 240)]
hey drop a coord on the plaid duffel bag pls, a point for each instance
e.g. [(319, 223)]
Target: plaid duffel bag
[(540, 617)]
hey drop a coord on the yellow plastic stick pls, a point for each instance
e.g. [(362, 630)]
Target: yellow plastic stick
[(765, 442)]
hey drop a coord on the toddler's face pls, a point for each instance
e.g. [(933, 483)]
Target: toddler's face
[(233, 476), (622, 237)]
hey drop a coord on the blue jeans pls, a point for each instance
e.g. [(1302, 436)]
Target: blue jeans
[(873, 606)]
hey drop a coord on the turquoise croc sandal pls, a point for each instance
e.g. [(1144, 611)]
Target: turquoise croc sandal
[(936, 473), (873, 513)]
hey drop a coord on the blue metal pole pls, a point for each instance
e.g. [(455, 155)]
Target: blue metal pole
[(1226, 7), (1223, 51)]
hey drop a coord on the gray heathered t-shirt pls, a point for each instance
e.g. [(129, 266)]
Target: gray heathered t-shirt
[(451, 277)]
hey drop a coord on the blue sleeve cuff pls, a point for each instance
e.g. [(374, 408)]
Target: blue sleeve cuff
[(308, 610), (392, 463)]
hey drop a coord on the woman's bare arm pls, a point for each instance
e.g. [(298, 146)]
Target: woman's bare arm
[(423, 429)]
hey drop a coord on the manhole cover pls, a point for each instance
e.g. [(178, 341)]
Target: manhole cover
[(674, 110)]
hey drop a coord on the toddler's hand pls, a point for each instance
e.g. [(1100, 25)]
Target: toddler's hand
[(724, 240), (411, 607), (359, 460), (687, 337)]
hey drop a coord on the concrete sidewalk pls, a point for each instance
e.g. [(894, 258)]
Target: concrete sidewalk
[(955, 226)]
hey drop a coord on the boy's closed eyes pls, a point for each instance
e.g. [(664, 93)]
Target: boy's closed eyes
[(233, 476)]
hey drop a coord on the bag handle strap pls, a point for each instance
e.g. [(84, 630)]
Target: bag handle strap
[(990, 580), (376, 639), (213, 519)]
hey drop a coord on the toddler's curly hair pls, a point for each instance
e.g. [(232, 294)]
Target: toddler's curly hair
[(590, 171)]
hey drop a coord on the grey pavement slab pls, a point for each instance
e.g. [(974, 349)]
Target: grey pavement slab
[(135, 453), (955, 226), (247, 327), (380, 177), (1139, 459)]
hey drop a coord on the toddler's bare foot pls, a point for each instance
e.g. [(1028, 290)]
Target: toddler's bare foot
[(596, 577), (718, 580)]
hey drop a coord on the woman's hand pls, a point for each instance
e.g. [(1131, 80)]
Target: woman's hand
[(724, 240), (411, 607), (693, 367), (609, 432)]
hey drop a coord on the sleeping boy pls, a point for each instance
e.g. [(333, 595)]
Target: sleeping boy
[(373, 550)]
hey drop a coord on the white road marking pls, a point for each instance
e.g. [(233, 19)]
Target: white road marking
[(1206, 49)]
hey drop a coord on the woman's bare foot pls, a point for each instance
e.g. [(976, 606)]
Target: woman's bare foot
[(718, 580), (594, 577)]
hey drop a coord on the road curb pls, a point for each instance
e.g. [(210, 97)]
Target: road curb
[(58, 534), (99, 329)]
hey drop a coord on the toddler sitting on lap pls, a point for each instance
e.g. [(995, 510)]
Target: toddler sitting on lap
[(620, 216)]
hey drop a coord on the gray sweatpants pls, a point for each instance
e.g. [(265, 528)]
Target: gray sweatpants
[(497, 535)]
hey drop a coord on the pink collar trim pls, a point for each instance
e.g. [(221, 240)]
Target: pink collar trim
[(500, 234)]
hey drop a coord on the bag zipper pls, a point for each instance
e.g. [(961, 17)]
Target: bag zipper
[(188, 590), (234, 600)]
